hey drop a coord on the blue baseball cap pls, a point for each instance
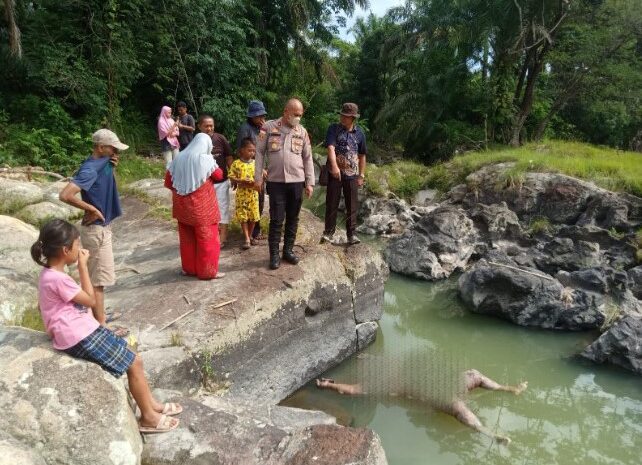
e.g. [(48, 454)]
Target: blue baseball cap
[(255, 108)]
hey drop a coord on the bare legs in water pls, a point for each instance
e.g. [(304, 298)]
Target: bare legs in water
[(457, 409)]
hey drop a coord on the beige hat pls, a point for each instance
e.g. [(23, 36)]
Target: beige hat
[(107, 137)]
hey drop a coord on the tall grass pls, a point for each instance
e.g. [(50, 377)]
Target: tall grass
[(612, 169)]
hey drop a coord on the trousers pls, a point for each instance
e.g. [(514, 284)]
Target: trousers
[(285, 204), (200, 249), (333, 195)]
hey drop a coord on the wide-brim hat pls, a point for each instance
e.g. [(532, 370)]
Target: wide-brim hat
[(107, 137), (349, 109), (256, 108)]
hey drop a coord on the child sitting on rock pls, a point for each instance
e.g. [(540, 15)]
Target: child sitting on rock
[(64, 306), (247, 197)]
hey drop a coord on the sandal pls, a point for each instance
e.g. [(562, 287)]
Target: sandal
[(259, 237), (171, 408), (164, 425), (254, 241), (119, 331), (246, 245)]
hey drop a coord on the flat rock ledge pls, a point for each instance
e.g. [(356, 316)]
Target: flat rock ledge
[(229, 365)]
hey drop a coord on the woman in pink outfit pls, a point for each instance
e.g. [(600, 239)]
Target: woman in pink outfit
[(168, 135)]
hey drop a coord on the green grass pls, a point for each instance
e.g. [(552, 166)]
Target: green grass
[(615, 170), (539, 225), (612, 169), (404, 178), (31, 319), (133, 167)]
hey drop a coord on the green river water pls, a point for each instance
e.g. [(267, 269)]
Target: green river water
[(573, 412)]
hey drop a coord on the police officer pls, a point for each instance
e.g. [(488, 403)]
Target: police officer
[(285, 145)]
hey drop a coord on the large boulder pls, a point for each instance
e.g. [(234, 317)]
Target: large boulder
[(496, 221), (16, 194), (440, 243), (565, 254), (18, 272), (41, 212), (385, 215), (216, 432), (528, 297), (619, 345), (66, 410), (613, 211)]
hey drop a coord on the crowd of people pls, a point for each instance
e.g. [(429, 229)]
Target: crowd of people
[(273, 156)]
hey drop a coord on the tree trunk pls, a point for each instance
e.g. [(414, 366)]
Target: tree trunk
[(15, 43), (529, 92)]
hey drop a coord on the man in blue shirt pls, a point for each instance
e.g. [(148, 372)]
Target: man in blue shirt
[(99, 199), (346, 144)]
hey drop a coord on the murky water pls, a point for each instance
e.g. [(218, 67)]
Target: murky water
[(572, 413)]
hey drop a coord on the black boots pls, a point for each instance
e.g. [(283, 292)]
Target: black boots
[(288, 255), (275, 260)]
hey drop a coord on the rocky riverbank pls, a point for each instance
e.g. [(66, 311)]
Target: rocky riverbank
[(545, 250), (229, 365)]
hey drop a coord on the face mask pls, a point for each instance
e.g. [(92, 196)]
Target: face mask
[(294, 120)]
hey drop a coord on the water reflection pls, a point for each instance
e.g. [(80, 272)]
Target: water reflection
[(572, 412)]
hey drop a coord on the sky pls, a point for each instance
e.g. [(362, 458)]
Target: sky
[(378, 7)]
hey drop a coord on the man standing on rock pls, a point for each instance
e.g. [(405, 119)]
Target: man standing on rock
[(99, 199), (250, 129), (222, 153), (286, 146), (346, 144), (186, 125)]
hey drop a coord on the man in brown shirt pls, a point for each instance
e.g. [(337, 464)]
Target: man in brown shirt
[(222, 153), (283, 144)]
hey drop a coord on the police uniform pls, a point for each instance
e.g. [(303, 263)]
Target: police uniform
[(288, 155)]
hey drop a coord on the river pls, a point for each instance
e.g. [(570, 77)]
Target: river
[(573, 412)]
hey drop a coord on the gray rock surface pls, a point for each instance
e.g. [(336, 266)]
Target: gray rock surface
[(16, 194), (496, 221), (18, 272), (13, 452), (635, 281), (424, 197), (40, 213), (172, 368), (384, 216), (366, 333), (619, 345), (153, 188), (438, 244), (528, 297), (68, 411), (285, 327), (239, 435)]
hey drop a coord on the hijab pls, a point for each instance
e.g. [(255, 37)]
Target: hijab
[(191, 168), (166, 127)]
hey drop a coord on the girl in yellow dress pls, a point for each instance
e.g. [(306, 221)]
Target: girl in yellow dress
[(247, 197)]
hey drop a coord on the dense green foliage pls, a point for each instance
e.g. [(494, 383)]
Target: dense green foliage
[(432, 78)]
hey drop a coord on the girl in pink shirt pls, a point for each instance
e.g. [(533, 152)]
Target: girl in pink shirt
[(65, 308)]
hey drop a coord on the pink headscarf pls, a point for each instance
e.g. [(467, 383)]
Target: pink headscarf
[(166, 127)]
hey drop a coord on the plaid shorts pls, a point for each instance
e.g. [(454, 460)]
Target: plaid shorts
[(106, 349)]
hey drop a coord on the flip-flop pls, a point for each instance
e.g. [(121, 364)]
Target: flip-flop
[(113, 316), (171, 408), (119, 331), (164, 425)]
